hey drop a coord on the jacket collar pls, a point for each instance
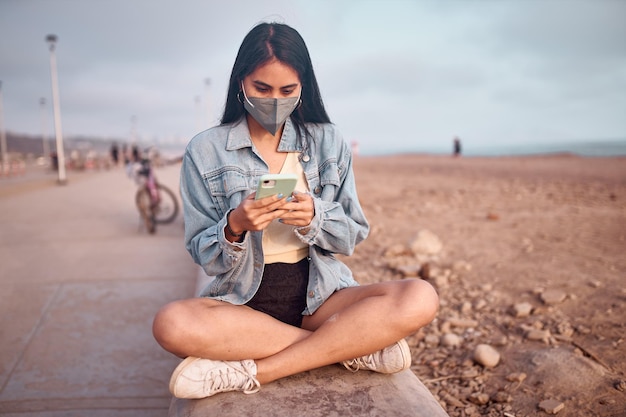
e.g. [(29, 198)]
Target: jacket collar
[(239, 137)]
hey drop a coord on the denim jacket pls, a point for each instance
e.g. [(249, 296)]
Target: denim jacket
[(221, 167)]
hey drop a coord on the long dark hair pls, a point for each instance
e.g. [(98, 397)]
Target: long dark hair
[(263, 43)]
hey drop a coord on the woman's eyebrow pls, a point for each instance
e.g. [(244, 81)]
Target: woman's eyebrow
[(262, 84)]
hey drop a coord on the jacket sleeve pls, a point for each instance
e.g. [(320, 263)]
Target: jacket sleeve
[(204, 226), (339, 223)]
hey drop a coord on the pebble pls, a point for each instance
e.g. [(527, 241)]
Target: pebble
[(441, 281), (551, 406), (464, 323), (479, 398), (516, 377), (452, 400), (486, 355), (451, 340), (551, 297), (426, 243), (502, 397), (395, 250), (431, 340), (492, 216), (501, 340), (565, 329), (480, 304), (462, 266), (466, 307), (537, 334), (523, 309), (445, 327), (595, 283), (470, 373)]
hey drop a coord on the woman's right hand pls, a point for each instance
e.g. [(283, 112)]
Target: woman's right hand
[(256, 215)]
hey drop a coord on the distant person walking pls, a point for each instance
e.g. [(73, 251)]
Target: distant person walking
[(136, 155), (457, 147), (115, 154)]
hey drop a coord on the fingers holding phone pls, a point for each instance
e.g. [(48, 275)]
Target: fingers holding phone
[(255, 215), (265, 205), (274, 198), (300, 210)]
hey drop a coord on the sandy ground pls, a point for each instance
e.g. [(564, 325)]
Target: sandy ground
[(533, 264)]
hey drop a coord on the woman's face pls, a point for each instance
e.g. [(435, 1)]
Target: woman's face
[(273, 80)]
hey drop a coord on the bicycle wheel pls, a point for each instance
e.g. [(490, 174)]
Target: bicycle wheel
[(142, 199), (167, 209)]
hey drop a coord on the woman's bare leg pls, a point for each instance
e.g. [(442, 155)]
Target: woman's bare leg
[(353, 322), (212, 329)]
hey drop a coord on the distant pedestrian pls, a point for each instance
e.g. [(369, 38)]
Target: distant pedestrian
[(55, 161), (136, 154), (115, 154), (457, 147), (125, 154)]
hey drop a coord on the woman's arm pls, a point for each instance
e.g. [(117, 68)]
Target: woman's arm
[(205, 237)]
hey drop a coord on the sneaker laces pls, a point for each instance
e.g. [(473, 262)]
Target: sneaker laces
[(364, 362), (228, 377)]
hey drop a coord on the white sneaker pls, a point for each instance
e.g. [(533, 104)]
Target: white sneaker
[(200, 378), (392, 359)]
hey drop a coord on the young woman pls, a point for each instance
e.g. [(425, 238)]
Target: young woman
[(279, 302)]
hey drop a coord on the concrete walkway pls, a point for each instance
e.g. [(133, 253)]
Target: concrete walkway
[(79, 286)]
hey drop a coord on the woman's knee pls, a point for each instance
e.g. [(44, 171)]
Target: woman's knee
[(418, 303), (167, 326)]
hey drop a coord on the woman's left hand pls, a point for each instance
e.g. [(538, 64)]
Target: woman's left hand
[(300, 210)]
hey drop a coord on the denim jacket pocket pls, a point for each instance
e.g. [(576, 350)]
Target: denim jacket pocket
[(223, 186)]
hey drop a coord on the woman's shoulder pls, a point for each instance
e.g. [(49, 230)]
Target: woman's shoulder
[(327, 137), (209, 138), (206, 150), (323, 129)]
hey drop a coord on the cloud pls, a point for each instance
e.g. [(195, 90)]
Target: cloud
[(396, 74)]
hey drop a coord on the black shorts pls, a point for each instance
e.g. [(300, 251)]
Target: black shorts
[(282, 293)]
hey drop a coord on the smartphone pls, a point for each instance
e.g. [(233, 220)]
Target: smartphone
[(272, 184)]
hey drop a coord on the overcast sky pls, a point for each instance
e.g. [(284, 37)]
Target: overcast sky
[(394, 75)]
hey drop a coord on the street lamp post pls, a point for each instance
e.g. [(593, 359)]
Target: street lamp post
[(44, 131), (52, 39), (3, 140)]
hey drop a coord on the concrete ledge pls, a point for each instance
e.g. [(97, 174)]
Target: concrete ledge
[(324, 392)]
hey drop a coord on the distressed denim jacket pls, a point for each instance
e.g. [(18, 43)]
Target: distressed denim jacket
[(221, 167)]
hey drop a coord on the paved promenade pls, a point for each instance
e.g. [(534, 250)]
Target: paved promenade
[(79, 286)]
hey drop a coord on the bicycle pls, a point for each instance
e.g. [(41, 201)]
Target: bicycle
[(156, 203)]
